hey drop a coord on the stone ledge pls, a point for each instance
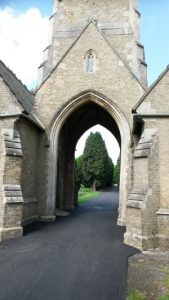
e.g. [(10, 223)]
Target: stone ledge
[(12, 194), (47, 218), (145, 143), (163, 212), (30, 201), (12, 142), (13, 187), (12, 200), (121, 222), (134, 203), (136, 198)]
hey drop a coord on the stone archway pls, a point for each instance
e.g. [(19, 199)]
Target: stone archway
[(99, 110)]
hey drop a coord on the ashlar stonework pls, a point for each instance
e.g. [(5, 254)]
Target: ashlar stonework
[(94, 72)]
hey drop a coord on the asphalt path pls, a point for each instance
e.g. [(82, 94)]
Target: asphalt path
[(78, 257)]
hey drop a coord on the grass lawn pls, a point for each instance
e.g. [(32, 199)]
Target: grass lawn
[(136, 295), (86, 194)]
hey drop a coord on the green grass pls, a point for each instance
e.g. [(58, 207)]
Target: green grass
[(135, 295), (164, 297), (86, 194), (165, 281)]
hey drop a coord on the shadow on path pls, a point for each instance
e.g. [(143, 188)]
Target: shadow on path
[(79, 257)]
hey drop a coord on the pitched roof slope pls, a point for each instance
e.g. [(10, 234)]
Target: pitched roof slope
[(22, 94), (134, 110), (24, 97)]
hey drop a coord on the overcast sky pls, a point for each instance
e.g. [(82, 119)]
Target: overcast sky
[(24, 35)]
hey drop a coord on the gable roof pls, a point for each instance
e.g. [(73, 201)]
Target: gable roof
[(150, 89), (22, 94), (107, 41), (24, 97)]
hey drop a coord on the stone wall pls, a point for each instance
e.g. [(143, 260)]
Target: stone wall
[(118, 20), (11, 200), (153, 108), (19, 141), (29, 157), (30, 139), (112, 79)]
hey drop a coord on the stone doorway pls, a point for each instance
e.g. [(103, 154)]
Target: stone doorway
[(77, 116)]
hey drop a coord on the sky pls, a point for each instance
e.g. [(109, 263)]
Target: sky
[(24, 36)]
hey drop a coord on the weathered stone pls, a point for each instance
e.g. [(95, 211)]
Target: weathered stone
[(39, 137)]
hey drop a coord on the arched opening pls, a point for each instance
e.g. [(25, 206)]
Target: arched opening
[(77, 116), (97, 164), (84, 117)]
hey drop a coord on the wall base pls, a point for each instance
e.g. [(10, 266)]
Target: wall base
[(30, 220), (47, 218), (9, 233), (163, 228), (163, 242), (121, 222), (141, 242)]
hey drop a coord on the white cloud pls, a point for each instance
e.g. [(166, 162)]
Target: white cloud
[(23, 37), (111, 143)]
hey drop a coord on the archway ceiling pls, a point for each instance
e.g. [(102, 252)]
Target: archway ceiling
[(85, 117)]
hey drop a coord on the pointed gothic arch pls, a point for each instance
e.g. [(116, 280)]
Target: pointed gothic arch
[(122, 133)]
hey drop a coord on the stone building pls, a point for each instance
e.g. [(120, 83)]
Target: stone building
[(94, 72)]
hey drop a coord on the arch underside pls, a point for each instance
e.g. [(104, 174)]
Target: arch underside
[(83, 118), (76, 116)]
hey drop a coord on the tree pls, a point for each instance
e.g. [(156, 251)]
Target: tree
[(97, 166), (116, 175), (109, 172), (78, 172)]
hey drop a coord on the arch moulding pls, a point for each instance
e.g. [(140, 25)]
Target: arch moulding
[(53, 133)]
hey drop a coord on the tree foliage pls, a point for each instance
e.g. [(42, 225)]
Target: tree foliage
[(97, 166), (78, 172), (116, 173)]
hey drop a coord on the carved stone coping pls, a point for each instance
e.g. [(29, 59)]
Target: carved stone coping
[(30, 201), (12, 193), (145, 144), (12, 142), (163, 212), (136, 198)]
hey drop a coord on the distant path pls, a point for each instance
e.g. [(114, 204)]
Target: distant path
[(79, 257)]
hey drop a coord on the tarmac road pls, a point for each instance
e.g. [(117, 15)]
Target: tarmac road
[(78, 257)]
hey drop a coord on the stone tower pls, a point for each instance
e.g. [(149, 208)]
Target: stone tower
[(93, 73), (119, 21)]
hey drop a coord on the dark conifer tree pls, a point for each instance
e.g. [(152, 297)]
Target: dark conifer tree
[(78, 172), (97, 166), (116, 173)]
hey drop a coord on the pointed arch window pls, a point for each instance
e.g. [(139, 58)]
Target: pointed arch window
[(90, 62)]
